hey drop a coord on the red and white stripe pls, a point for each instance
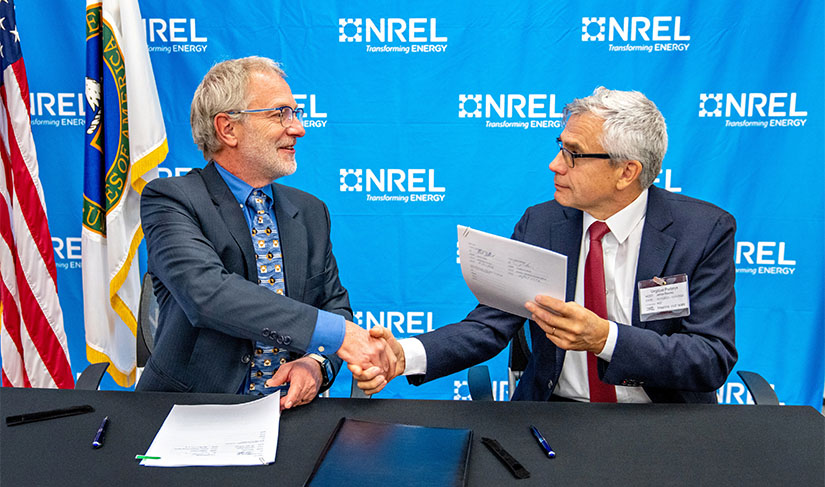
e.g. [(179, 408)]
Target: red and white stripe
[(32, 338)]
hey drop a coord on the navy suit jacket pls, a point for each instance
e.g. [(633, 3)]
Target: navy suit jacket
[(675, 360), (211, 307)]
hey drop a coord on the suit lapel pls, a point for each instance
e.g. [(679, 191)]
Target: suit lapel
[(293, 235), (656, 245), (566, 238), (232, 216)]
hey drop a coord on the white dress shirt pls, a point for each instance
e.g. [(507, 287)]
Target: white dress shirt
[(621, 253), (620, 248)]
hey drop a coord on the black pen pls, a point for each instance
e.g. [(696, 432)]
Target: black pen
[(542, 442), (101, 433)]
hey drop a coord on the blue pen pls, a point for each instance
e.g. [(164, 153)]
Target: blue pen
[(549, 451), (101, 433)]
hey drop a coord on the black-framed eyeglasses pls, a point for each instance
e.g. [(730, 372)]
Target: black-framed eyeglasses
[(570, 156), (287, 113)]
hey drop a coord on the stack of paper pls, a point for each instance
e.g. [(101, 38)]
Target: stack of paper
[(217, 434)]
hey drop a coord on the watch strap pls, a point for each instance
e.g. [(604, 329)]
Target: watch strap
[(326, 368)]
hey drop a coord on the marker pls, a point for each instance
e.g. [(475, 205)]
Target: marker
[(146, 457), (542, 442), (101, 433)]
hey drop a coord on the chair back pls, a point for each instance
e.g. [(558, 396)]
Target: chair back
[(147, 322), (89, 379), (478, 380), (761, 391), (519, 356)]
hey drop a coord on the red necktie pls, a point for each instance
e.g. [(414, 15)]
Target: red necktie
[(596, 301)]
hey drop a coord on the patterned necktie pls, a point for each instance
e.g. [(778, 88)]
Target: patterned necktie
[(269, 261), (596, 301)]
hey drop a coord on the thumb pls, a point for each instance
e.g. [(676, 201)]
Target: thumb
[(377, 331), (355, 369), (281, 376)]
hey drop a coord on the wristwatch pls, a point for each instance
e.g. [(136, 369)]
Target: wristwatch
[(327, 373)]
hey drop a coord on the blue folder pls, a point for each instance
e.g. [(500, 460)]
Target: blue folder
[(366, 453)]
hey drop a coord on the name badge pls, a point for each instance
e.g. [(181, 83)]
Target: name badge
[(664, 297)]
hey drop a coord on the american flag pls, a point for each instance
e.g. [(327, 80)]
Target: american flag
[(32, 339)]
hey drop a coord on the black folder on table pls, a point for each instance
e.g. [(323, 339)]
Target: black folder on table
[(366, 453)]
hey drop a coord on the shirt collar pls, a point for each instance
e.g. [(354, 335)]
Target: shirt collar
[(239, 188), (625, 220)]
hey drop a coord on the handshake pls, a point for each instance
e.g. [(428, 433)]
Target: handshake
[(374, 357)]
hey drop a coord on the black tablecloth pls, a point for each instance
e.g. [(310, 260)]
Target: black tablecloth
[(596, 444)]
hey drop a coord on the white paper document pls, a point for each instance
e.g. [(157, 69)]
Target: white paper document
[(505, 273), (218, 434)]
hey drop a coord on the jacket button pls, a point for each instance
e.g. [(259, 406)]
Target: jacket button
[(265, 332), (279, 339), (287, 340), (550, 384), (245, 359)]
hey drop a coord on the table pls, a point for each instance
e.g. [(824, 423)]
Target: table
[(596, 444)]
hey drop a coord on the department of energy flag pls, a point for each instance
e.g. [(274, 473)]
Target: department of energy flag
[(125, 141), (32, 340)]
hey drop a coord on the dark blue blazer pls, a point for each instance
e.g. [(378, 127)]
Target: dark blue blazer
[(675, 360), (203, 263)]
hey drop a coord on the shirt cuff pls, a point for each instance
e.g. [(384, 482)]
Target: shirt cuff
[(328, 335), (610, 344), (415, 357)]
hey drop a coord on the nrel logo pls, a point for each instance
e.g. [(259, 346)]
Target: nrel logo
[(57, 109), (763, 258), (166, 172), (534, 110), (67, 252), (461, 391), (668, 181), (414, 35), (312, 117), (177, 35), (659, 30), (736, 393), (417, 185), (779, 108), (400, 323)]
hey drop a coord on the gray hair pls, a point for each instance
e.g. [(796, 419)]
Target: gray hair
[(224, 88), (634, 129)]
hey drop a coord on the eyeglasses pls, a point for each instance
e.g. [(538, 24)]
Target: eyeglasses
[(287, 113), (570, 157)]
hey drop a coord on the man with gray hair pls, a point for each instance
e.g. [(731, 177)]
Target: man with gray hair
[(649, 315), (243, 269)]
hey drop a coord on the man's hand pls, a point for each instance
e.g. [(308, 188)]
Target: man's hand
[(570, 326), (304, 377), (369, 380), (367, 353)]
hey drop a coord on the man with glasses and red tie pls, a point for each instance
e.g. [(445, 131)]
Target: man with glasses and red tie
[(649, 315), (247, 286)]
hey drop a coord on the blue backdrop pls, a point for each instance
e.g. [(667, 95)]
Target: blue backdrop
[(429, 114)]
